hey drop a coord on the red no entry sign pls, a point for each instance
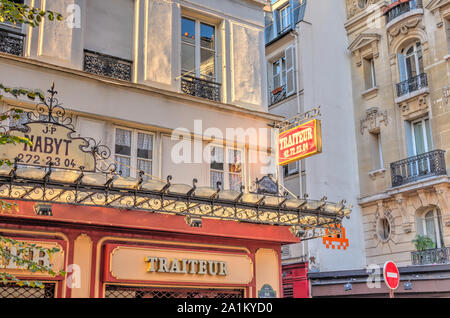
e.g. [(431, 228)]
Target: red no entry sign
[(391, 275)]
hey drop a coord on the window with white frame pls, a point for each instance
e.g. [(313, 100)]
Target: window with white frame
[(410, 61), (279, 72), (229, 174), (418, 135), (376, 149), (369, 72), (282, 83), (447, 31), (290, 169), (429, 223), (134, 152), (198, 49), (285, 18)]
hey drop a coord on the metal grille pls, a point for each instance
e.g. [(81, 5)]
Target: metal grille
[(11, 42), (431, 256), (16, 291), (106, 65), (144, 292), (277, 95), (412, 84), (418, 167), (200, 88), (402, 8), (288, 290)]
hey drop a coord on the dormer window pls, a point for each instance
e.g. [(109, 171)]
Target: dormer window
[(285, 18)]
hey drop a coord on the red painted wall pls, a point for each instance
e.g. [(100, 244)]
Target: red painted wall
[(295, 280)]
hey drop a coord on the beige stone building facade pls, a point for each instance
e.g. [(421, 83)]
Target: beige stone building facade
[(400, 70)]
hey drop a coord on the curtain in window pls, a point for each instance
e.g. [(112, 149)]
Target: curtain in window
[(123, 165), (215, 177), (145, 146), (123, 142)]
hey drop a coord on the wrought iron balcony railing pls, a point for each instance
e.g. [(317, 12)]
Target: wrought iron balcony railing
[(431, 256), (277, 95), (418, 167), (107, 65), (201, 88), (401, 8), (11, 42), (412, 84)]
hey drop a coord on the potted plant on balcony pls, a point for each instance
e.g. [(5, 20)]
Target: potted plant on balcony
[(423, 243)]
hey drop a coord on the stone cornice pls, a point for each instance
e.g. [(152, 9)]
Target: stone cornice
[(27, 62), (410, 187), (436, 4)]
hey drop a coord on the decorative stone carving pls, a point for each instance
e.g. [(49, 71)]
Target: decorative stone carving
[(405, 27), (356, 6), (414, 106), (374, 117), (445, 93), (443, 195), (407, 219), (363, 41)]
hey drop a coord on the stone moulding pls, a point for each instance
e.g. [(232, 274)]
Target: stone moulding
[(373, 118), (404, 28), (363, 41)]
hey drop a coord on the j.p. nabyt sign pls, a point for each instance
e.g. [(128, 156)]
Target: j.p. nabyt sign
[(50, 143)]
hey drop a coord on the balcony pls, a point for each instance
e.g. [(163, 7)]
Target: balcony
[(418, 167), (431, 256), (11, 42), (201, 88), (107, 65), (400, 8), (277, 95), (412, 84)]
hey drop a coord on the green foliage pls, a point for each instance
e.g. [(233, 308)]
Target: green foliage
[(423, 242), (15, 13), (18, 13)]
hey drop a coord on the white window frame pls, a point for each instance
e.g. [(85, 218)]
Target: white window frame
[(225, 171), (425, 135), (282, 78), (133, 157), (416, 59), (436, 223), (284, 12), (197, 48)]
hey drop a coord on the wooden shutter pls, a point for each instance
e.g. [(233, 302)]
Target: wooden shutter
[(290, 70)]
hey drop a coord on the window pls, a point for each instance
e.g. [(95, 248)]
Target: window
[(198, 49), (230, 174), (383, 229), (290, 169), (134, 151), (418, 134), (447, 29), (279, 73), (376, 149), (369, 73), (283, 76), (410, 61), (429, 224), (285, 18), (362, 4)]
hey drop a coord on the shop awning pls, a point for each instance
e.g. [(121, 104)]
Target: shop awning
[(105, 190)]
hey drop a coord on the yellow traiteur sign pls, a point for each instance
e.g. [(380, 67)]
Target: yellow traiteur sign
[(50, 143), (186, 266)]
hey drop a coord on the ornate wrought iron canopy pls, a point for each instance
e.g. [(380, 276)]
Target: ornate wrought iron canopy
[(96, 189), (100, 187)]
